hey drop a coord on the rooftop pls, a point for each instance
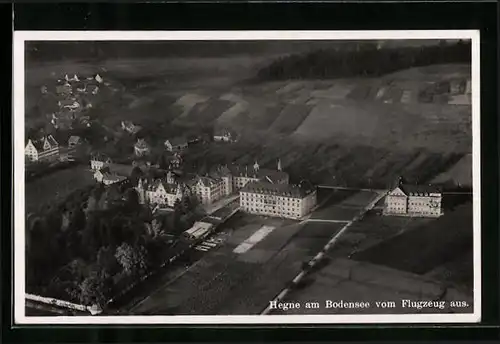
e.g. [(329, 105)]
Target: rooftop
[(272, 176), (416, 190), (283, 190)]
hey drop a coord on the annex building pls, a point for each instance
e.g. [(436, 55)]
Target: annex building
[(414, 200)]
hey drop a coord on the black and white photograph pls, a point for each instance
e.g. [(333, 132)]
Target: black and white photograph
[(246, 177)]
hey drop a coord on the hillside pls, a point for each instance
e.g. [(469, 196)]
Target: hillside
[(344, 130)]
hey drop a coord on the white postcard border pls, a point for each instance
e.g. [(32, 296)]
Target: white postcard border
[(18, 266)]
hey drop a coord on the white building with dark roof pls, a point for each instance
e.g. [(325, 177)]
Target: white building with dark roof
[(223, 136), (414, 200), (107, 176), (209, 189), (278, 200), (46, 149), (141, 148)]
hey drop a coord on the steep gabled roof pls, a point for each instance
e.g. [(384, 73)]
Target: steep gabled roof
[(74, 139), (52, 140)]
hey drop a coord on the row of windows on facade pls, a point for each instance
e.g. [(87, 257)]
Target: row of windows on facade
[(294, 206), (252, 196), (273, 212)]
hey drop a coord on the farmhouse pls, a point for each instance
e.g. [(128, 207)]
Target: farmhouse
[(98, 78), (46, 149), (69, 104), (244, 174), (74, 141), (93, 89), (130, 127), (414, 200), (176, 144), (278, 200), (97, 161), (223, 136), (108, 177), (141, 148), (74, 78)]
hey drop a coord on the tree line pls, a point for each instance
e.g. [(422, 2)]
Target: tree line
[(366, 60)]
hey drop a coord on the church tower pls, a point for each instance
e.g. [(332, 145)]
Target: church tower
[(279, 164)]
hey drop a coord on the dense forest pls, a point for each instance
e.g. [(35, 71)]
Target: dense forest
[(364, 61)]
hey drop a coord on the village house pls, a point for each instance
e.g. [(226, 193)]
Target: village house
[(69, 104), (98, 161), (176, 144), (130, 127), (74, 141), (108, 177), (92, 89), (173, 161), (223, 136), (245, 174), (74, 78), (141, 148), (46, 149), (99, 79), (278, 200), (414, 200)]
